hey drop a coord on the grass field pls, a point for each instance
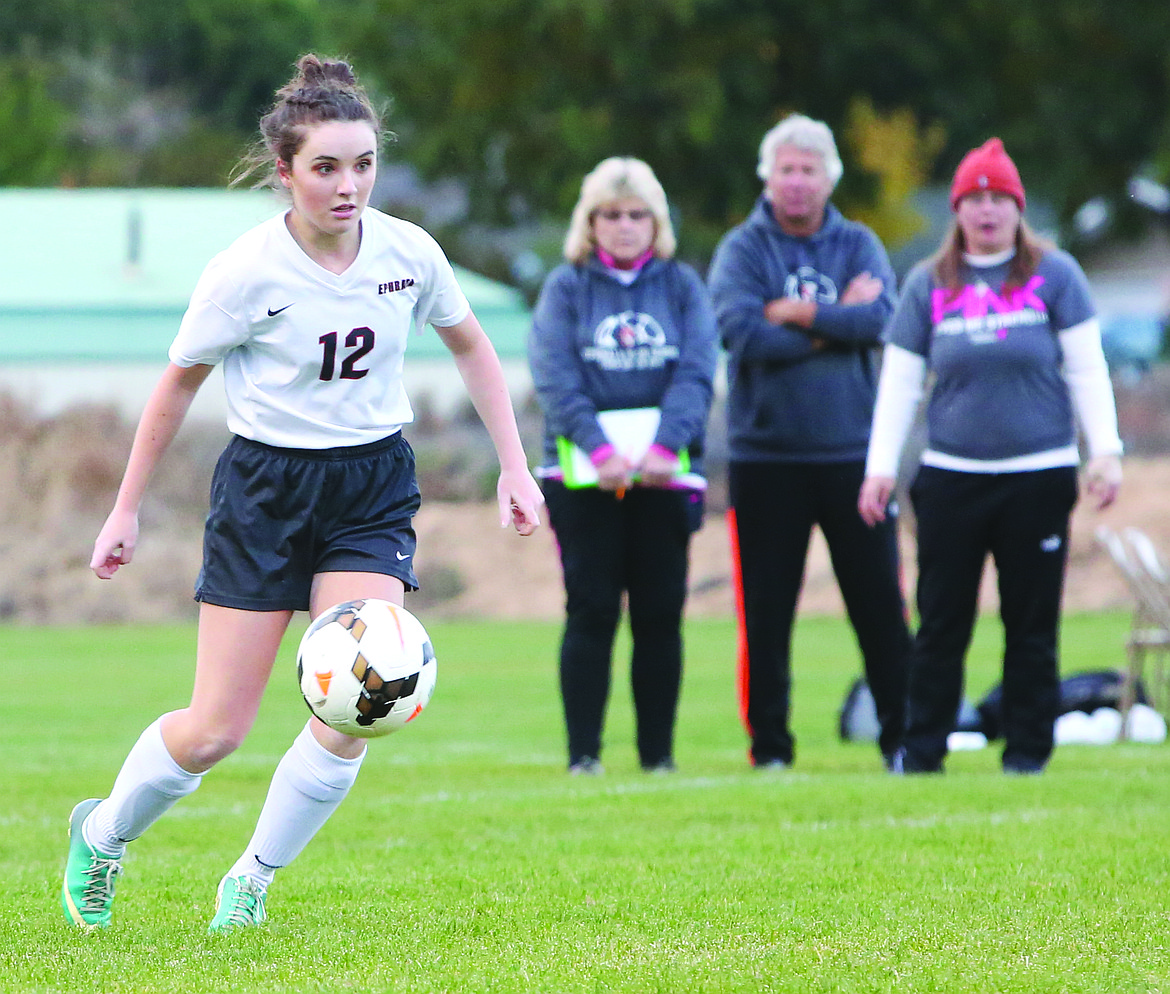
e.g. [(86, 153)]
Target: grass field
[(467, 861)]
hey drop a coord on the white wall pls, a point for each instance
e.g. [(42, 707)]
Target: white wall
[(49, 389)]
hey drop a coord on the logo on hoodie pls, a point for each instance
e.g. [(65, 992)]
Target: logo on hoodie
[(630, 340), (807, 284)]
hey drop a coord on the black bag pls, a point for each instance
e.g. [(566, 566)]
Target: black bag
[(1079, 692), (857, 720)]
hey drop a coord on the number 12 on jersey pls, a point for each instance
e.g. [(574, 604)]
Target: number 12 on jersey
[(360, 341)]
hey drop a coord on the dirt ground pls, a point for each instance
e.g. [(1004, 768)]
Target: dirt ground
[(508, 577), (58, 478)]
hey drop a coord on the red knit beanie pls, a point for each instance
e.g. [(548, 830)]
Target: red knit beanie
[(987, 167)]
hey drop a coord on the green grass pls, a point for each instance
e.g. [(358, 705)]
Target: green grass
[(467, 861)]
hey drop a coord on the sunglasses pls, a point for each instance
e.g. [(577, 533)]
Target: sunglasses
[(613, 214)]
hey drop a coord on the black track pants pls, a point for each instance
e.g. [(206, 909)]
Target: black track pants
[(637, 545), (776, 506), (1021, 519)]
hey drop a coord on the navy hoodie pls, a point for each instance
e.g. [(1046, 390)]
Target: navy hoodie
[(789, 402), (598, 345)]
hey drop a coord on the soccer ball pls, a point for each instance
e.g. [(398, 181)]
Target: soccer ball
[(366, 667)]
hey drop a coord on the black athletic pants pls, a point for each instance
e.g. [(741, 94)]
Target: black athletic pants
[(637, 545), (776, 506), (1022, 520)]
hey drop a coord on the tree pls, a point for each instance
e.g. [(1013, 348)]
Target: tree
[(32, 123), (518, 99), (521, 98), (154, 93)]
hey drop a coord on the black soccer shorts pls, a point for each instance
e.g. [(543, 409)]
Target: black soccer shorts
[(280, 516)]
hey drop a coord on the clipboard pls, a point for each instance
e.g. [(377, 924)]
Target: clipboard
[(631, 431)]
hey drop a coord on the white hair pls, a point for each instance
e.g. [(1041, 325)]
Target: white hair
[(804, 133)]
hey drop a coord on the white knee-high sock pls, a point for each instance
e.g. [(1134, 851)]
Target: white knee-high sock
[(309, 783), (149, 782)]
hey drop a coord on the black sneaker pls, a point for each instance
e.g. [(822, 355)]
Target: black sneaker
[(772, 765), (1023, 768), (586, 766), (662, 766)]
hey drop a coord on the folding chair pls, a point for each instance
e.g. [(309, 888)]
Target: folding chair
[(1149, 635), (1155, 579)]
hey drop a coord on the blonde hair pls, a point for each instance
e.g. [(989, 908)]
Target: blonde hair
[(803, 133), (615, 179)]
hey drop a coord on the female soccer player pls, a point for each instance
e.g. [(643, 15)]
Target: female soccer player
[(312, 500)]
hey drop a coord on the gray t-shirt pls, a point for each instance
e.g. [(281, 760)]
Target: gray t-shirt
[(996, 360)]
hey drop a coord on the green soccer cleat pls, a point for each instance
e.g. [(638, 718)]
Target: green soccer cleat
[(90, 876), (238, 902)]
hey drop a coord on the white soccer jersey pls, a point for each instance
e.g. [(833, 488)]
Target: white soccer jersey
[(313, 359)]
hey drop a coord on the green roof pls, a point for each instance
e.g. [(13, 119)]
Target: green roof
[(105, 274)]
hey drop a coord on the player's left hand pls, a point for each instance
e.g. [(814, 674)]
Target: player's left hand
[(115, 544), (520, 500)]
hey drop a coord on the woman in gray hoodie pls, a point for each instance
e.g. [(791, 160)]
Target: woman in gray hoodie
[(623, 354)]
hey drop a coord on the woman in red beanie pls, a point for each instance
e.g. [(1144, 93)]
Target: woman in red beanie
[(1004, 322)]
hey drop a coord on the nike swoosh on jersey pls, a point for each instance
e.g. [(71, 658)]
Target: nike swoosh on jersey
[(272, 313), (400, 556)]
